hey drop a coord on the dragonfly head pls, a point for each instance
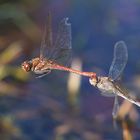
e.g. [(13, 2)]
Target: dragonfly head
[(26, 66), (94, 80)]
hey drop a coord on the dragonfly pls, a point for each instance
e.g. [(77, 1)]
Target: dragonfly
[(109, 85), (53, 50)]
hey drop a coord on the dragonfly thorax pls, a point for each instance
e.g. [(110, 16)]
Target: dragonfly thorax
[(44, 66), (104, 84)]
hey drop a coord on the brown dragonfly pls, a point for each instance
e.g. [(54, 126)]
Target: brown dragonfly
[(55, 50)]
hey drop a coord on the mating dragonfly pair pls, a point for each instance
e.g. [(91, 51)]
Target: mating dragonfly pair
[(61, 47)]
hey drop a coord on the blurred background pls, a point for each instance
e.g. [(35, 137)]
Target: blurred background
[(62, 106)]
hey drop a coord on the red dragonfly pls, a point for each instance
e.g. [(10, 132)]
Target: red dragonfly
[(55, 51)]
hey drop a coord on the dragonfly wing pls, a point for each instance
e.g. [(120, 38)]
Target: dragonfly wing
[(107, 94), (119, 60), (46, 42), (124, 94), (62, 46), (115, 107)]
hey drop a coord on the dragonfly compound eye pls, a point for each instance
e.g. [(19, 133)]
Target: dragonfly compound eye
[(26, 66), (93, 81)]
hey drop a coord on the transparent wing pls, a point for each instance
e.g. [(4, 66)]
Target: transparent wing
[(122, 92), (46, 43), (62, 46), (107, 94), (115, 107), (119, 60)]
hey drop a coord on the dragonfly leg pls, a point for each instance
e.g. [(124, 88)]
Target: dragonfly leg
[(115, 107), (44, 74)]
